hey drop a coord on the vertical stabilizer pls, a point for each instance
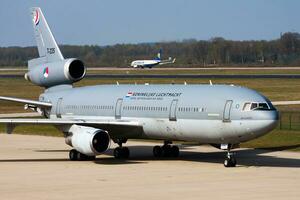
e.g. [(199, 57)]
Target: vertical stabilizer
[(158, 55), (47, 47)]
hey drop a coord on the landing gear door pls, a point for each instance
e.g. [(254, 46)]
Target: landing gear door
[(118, 109), (227, 111), (173, 108), (58, 108)]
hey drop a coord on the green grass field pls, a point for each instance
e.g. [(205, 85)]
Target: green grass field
[(206, 71), (275, 89)]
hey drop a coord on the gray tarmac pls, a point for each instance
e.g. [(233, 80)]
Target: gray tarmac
[(37, 167)]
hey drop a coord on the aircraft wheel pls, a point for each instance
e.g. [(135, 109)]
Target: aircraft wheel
[(230, 162), (121, 153), (91, 157), (73, 155), (126, 152), (167, 150), (81, 157), (174, 151), (118, 153), (157, 151)]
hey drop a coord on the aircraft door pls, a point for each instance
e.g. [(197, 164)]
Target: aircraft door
[(227, 111), (173, 108), (58, 107), (118, 109)]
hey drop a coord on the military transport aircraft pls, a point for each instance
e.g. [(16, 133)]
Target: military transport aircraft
[(90, 117), (152, 63)]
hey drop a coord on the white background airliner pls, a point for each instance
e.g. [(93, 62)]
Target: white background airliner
[(152, 63)]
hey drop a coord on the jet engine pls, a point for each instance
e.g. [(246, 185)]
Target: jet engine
[(87, 140), (48, 74)]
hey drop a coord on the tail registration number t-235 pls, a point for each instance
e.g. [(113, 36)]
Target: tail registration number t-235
[(50, 50)]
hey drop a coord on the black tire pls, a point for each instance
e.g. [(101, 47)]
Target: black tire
[(174, 151), (233, 162), (91, 158), (81, 156), (125, 152), (227, 163), (230, 162), (118, 153), (157, 151), (167, 150), (73, 155)]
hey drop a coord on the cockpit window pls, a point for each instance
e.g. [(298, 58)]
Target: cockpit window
[(247, 106), (254, 106), (257, 106), (263, 106)]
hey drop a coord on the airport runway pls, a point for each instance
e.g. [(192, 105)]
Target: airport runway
[(177, 76), (36, 167)]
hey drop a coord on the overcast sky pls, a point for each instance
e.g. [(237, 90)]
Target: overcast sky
[(106, 22)]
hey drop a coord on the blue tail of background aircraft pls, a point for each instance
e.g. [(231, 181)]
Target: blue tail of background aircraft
[(158, 57)]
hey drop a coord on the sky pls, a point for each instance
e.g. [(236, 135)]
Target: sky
[(108, 22)]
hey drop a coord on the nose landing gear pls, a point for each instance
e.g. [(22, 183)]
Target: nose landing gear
[(230, 160)]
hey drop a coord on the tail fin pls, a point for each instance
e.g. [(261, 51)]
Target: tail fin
[(47, 47), (158, 55)]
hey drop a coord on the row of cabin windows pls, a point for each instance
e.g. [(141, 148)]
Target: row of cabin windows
[(191, 109), (145, 108), (139, 108), (180, 109), (89, 107)]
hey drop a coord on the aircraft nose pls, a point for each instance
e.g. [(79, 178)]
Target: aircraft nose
[(269, 121)]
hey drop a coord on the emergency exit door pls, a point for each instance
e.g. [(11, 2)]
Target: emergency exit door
[(118, 109), (227, 111), (173, 108)]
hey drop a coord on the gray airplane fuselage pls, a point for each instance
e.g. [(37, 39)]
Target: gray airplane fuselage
[(203, 113)]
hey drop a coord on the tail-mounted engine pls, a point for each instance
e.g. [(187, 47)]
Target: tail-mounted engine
[(49, 74)]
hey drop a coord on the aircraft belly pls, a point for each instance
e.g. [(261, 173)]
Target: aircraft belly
[(207, 131)]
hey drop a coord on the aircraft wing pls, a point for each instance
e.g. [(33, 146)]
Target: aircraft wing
[(170, 61), (26, 101), (114, 127), (283, 103)]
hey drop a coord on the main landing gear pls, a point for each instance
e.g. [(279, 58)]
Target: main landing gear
[(121, 152), (230, 160), (166, 150), (75, 155)]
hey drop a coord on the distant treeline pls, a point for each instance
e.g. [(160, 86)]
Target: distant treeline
[(284, 51)]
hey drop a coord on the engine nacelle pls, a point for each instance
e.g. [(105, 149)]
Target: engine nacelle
[(50, 74), (87, 140)]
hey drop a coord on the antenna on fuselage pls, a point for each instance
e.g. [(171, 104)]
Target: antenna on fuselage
[(185, 83), (118, 83), (210, 82)]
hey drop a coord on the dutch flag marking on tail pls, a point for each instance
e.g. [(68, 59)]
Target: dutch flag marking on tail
[(36, 17)]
